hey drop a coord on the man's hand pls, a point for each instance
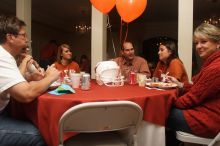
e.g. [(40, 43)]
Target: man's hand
[(52, 72)]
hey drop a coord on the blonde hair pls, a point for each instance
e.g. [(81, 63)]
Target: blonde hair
[(60, 50), (207, 31)]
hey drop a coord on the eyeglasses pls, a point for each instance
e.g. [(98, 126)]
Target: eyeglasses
[(23, 34)]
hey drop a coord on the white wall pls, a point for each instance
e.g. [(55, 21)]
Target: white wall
[(41, 34)]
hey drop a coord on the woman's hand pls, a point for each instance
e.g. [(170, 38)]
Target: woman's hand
[(24, 63), (174, 80), (27, 59)]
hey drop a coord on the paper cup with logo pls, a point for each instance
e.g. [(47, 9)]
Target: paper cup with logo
[(75, 79)]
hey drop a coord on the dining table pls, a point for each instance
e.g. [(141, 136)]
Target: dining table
[(46, 110)]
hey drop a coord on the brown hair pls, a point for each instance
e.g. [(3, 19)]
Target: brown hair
[(171, 45), (60, 50), (9, 24)]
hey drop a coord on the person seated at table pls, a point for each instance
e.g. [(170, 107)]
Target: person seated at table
[(28, 67), (169, 62), (152, 67), (197, 110), (85, 64), (13, 85), (64, 59), (129, 62)]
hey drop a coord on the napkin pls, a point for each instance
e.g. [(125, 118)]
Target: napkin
[(62, 89)]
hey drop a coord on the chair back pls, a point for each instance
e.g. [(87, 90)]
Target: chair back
[(215, 141), (105, 116)]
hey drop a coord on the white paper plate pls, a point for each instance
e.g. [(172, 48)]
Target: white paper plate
[(55, 85), (161, 85)]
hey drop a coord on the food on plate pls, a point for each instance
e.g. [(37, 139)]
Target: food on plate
[(155, 84), (161, 85)]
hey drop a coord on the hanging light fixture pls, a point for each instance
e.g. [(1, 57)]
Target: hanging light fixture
[(82, 27), (213, 20)]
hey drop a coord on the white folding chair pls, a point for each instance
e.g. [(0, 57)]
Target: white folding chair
[(101, 124), (193, 139), (215, 141)]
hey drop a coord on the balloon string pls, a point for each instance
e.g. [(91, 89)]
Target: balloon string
[(108, 22), (110, 30), (121, 31), (126, 34), (120, 37)]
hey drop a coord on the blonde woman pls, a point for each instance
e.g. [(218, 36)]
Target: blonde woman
[(197, 110)]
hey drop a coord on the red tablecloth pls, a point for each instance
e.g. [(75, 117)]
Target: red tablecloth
[(46, 111)]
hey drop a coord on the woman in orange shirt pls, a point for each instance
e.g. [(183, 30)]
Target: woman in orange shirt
[(169, 62), (64, 59)]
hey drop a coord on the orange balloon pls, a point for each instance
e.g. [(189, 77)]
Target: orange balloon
[(129, 10), (104, 6)]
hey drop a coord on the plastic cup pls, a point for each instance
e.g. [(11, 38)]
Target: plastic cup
[(142, 80), (137, 77), (155, 79), (75, 79), (142, 83)]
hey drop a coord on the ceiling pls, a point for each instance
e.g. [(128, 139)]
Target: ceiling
[(64, 14)]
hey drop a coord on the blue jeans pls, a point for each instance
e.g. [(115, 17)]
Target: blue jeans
[(18, 133), (177, 122)]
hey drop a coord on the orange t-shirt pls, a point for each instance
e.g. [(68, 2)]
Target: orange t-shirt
[(175, 69), (73, 65)]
